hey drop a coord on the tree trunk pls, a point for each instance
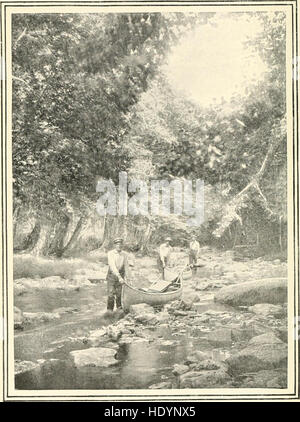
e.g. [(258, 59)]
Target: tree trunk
[(146, 238), (74, 237), (56, 246), (16, 214), (40, 237)]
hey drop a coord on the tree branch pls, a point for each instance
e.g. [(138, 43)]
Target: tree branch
[(236, 201), (21, 80), (20, 37)]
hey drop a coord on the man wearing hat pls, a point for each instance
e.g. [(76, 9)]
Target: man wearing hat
[(164, 255), (194, 251), (118, 270)]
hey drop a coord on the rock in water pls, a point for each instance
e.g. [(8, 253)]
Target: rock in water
[(114, 333), (270, 290), (282, 333), (18, 318), (267, 338), (25, 366), (267, 378), (141, 308), (161, 385), (147, 318), (263, 352), (163, 317), (97, 337), (180, 369), (208, 364), (95, 356), (267, 309), (204, 378)]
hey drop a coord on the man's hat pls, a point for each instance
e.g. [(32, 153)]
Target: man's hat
[(118, 240), (168, 239)]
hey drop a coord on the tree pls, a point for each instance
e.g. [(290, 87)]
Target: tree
[(239, 147), (75, 80)]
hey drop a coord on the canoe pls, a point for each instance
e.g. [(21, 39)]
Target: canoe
[(170, 274), (133, 296)]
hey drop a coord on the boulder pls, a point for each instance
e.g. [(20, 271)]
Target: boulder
[(176, 304), (162, 317), (208, 364), (25, 366), (267, 309), (95, 356), (267, 338), (204, 378), (161, 385), (270, 290), (26, 284), (282, 333), (180, 369), (196, 357), (202, 285), (277, 262), (263, 352), (97, 337), (19, 288), (141, 309), (243, 334), (18, 318), (266, 379), (147, 318), (114, 333)]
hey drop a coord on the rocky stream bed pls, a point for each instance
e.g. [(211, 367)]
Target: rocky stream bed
[(229, 330)]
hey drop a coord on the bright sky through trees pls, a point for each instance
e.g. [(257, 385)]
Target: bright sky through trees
[(213, 62)]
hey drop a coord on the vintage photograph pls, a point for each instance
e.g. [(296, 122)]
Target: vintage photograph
[(150, 152)]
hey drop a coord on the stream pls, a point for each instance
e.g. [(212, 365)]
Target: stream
[(46, 345), (51, 343)]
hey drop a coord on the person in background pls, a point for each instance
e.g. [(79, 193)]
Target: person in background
[(194, 250), (164, 256), (118, 272)]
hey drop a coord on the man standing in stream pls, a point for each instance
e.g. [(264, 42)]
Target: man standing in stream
[(118, 272), (163, 259), (194, 250)]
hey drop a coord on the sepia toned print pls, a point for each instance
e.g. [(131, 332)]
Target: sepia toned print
[(151, 223)]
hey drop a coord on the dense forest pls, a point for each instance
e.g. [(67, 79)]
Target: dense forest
[(90, 99)]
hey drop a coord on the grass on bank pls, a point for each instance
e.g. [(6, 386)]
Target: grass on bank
[(29, 266)]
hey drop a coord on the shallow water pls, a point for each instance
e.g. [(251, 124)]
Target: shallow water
[(140, 364)]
